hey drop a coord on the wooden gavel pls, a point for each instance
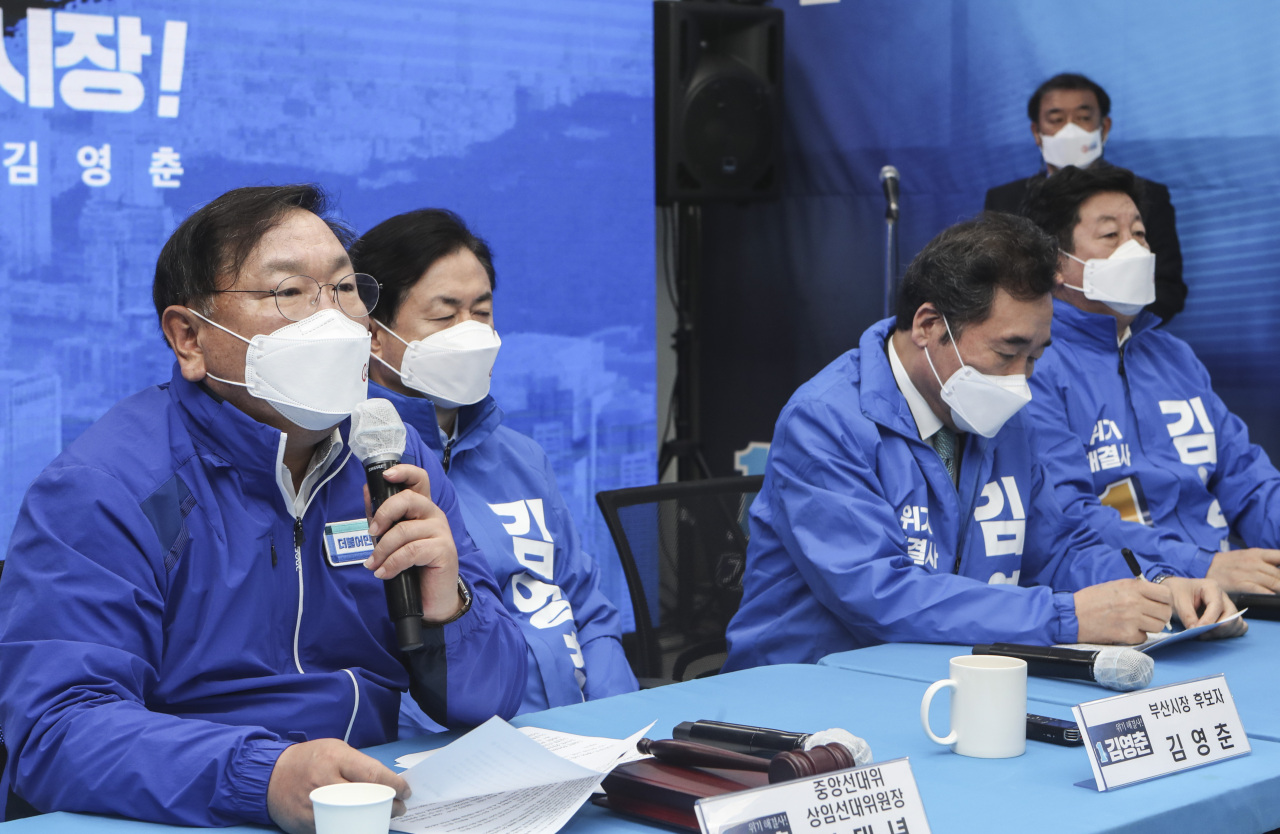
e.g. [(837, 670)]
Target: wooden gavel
[(795, 764)]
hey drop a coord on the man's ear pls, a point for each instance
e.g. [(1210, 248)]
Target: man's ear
[(1035, 133), (376, 343), (181, 328), (925, 324), (1106, 128)]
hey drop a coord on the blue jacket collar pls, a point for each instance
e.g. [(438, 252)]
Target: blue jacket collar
[(1097, 329), (226, 431), (881, 399), (475, 422)]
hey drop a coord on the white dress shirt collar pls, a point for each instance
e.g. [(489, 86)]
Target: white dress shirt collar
[(927, 423)]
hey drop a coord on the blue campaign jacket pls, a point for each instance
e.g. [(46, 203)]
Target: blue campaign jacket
[(1143, 427), (162, 641), (513, 510), (858, 536)]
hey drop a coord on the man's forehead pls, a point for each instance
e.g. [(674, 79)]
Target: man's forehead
[(301, 266), (298, 235), (301, 243), (1016, 322), (1109, 206), (1068, 100)]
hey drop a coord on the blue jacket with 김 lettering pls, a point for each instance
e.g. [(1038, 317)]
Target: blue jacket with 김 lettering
[(168, 627), (859, 537), (1137, 441), (513, 510)]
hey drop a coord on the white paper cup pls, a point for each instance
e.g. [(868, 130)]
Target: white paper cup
[(353, 808)]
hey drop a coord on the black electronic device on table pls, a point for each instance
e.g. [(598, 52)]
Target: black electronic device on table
[(1261, 606), (1053, 730)]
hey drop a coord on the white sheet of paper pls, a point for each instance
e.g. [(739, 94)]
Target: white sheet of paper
[(498, 780), (584, 750), (1163, 638), (493, 758)]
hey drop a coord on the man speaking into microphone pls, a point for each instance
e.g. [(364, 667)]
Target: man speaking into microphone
[(196, 630)]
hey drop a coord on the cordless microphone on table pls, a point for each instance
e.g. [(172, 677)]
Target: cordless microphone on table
[(377, 439), (1115, 667)]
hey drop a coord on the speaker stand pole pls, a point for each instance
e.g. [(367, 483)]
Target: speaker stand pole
[(890, 262), (686, 447)]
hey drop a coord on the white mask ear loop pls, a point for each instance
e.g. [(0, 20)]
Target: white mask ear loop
[(393, 333), (954, 346), (929, 358), (224, 330), (1077, 260)]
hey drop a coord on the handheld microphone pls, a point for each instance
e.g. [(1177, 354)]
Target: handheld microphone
[(1261, 606), (889, 181), (1115, 667), (766, 743), (377, 439)]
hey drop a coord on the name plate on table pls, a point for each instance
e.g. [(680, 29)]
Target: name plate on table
[(1154, 732), (875, 799)]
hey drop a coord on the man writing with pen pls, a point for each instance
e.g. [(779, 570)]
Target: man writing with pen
[(1129, 427), (905, 499)]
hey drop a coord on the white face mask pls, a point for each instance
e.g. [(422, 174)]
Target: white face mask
[(451, 366), (313, 371), (1072, 145), (1125, 282), (981, 403)]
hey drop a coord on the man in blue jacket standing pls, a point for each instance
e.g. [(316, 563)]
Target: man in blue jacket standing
[(903, 499), (194, 625), (1131, 431), (434, 346)]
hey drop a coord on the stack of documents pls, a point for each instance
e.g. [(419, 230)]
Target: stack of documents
[(500, 780)]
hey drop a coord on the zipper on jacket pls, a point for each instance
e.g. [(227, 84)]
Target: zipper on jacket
[(273, 553), (298, 538), (448, 453)]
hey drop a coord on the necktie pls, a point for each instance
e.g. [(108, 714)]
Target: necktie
[(944, 442)]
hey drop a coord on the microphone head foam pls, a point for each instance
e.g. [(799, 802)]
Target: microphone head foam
[(887, 172), (859, 748), (1125, 669), (376, 430)]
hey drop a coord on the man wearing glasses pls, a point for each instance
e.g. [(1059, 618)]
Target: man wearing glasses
[(184, 637)]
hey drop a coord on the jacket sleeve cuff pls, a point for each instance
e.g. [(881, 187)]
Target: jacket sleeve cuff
[(248, 777), (1181, 559), (1066, 626), (467, 620), (1201, 562)]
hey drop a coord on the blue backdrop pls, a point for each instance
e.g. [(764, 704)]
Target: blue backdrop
[(532, 120), (939, 89)]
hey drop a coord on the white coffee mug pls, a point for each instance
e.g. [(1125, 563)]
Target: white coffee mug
[(353, 808), (988, 706)]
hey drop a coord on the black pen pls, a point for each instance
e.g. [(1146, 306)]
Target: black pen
[(1132, 562)]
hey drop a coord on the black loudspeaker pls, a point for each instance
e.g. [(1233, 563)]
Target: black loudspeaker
[(718, 101)]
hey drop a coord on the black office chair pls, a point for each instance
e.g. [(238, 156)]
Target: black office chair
[(683, 550)]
